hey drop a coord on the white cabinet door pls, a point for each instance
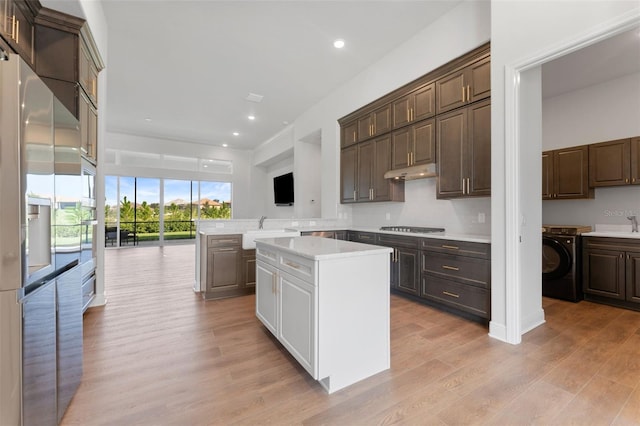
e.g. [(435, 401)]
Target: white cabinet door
[(297, 323), (266, 297)]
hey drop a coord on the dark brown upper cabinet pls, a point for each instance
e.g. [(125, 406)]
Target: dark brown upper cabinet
[(348, 176), (415, 106), (464, 152), (375, 123), (565, 174), (349, 134), (462, 87), (362, 169), (610, 163), (67, 60), (635, 161), (17, 27), (414, 145)]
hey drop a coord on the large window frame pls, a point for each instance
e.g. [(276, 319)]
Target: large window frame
[(133, 231)]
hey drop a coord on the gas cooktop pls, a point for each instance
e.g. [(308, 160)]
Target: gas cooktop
[(414, 229)]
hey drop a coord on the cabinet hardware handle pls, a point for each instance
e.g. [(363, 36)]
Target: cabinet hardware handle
[(354, 195), (396, 250), (292, 265), (412, 159), (354, 135), (451, 268), (468, 185), (621, 255), (408, 114), (450, 247), (225, 249), (464, 186), (462, 93), (372, 194), (626, 180), (408, 160), (13, 27), (451, 294), (17, 31), (468, 93)]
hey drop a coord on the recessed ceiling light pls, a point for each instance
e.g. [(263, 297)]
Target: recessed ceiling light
[(236, 134), (251, 117), (285, 122), (148, 120), (224, 145), (338, 44)]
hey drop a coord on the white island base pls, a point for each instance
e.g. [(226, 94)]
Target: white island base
[(327, 302)]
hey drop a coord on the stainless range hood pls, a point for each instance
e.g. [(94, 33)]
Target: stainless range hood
[(413, 172)]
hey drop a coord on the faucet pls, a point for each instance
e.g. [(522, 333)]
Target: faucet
[(262, 218), (634, 223)]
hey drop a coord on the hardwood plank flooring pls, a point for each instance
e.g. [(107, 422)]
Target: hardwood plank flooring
[(157, 354)]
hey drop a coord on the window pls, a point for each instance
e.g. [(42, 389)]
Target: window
[(133, 208)]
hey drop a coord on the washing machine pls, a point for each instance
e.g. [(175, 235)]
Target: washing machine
[(561, 261)]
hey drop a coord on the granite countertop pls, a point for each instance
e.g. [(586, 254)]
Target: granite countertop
[(612, 231), (437, 235), (473, 238), (612, 234), (318, 248)]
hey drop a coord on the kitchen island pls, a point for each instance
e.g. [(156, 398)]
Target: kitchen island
[(327, 302)]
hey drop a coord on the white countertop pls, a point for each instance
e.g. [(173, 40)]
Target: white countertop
[(318, 248), (613, 231), (438, 235), (473, 238), (613, 234)]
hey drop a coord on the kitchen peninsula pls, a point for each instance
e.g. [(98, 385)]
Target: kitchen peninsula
[(327, 302)]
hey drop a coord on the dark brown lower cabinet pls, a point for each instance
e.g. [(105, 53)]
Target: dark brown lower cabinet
[(225, 267), (458, 275), (405, 262), (611, 271)]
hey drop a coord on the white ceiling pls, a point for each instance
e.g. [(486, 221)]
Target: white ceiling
[(189, 65), (603, 61)]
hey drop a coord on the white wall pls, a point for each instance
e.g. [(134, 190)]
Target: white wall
[(307, 179), (521, 32), (270, 209), (595, 114), (421, 208), (247, 196)]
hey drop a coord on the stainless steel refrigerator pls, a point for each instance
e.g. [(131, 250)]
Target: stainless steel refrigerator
[(31, 269)]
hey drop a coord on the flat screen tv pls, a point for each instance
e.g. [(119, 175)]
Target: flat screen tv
[(283, 189)]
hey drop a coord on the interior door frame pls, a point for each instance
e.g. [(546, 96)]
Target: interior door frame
[(514, 213)]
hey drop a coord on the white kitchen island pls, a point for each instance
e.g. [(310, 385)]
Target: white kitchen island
[(327, 302)]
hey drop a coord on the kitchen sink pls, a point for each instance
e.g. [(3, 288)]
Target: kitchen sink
[(249, 237)]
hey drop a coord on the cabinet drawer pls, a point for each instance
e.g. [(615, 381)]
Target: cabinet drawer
[(297, 266), (224, 240), (464, 297), (398, 241), (606, 243), (467, 270), (362, 237), (267, 256), (463, 248)]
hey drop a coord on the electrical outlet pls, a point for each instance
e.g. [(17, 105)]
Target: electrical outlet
[(481, 218), (387, 216)]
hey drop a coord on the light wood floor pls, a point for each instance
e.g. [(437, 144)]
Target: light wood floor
[(157, 354)]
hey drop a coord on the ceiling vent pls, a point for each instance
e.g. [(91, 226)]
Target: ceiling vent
[(252, 97)]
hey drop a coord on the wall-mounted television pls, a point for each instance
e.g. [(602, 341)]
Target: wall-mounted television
[(283, 189)]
